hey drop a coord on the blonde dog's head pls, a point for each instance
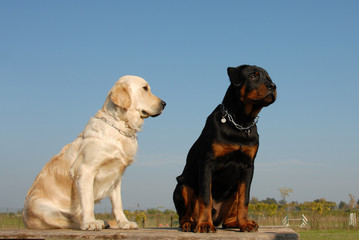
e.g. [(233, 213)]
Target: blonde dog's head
[(131, 100)]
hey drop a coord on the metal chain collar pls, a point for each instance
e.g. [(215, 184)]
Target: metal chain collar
[(133, 136), (230, 118)]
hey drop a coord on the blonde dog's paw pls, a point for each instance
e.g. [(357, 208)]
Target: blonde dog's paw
[(96, 225), (128, 225)]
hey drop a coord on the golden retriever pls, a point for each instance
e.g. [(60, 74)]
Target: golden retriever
[(90, 168)]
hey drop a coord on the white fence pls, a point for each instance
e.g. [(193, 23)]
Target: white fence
[(303, 221), (352, 219)]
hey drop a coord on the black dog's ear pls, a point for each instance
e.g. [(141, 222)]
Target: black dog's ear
[(234, 76)]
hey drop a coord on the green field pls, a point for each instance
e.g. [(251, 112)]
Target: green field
[(11, 221), (329, 235)]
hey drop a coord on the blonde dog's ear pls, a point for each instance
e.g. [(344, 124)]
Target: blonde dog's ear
[(120, 96)]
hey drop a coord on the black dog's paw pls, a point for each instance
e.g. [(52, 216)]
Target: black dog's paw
[(205, 227)]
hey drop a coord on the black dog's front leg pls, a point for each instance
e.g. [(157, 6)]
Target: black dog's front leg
[(238, 215), (205, 223)]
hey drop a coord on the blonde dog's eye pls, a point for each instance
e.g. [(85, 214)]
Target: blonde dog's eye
[(145, 88)]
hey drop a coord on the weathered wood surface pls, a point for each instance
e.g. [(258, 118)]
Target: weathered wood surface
[(264, 233)]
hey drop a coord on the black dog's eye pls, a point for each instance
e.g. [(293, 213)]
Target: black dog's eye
[(145, 88), (253, 77)]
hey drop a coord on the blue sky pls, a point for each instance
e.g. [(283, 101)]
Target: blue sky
[(58, 59)]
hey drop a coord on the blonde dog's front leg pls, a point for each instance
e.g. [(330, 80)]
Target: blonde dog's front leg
[(84, 184), (117, 209)]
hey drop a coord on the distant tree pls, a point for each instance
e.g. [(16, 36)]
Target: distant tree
[(319, 200), (342, 205), (351, 201), (269, 201), (331, 205), (254, 200), (153, 211), (357, 204), (284, 192), (169, 211), (294, 206)]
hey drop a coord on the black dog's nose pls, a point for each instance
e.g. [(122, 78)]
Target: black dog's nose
[(163, 104), (271, 86)]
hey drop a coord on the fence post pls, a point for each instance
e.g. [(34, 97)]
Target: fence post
[(304, 221), (352, 219), (285, 221)]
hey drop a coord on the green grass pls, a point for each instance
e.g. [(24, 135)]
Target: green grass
[(329, 235), (11, 222)]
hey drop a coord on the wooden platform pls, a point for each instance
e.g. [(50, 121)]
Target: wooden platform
[(264, 233)]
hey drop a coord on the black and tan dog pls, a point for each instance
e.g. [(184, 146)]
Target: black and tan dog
[(215, 183)]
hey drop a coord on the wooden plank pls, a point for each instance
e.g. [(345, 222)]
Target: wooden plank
[(264, 233)]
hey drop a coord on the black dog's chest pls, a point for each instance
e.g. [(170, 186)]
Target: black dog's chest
[(228, 169)]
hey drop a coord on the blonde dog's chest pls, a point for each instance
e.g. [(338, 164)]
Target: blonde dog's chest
[(105, 157), (110, 172), (106, 179)]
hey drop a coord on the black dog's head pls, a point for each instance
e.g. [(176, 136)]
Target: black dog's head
[(252, 85)]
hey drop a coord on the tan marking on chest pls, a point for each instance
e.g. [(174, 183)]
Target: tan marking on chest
[(250, 150), (223, 149)]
